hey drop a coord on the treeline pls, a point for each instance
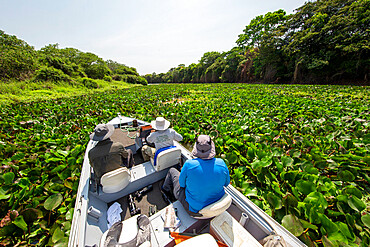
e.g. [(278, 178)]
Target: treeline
[(20, 61), (325, 41)]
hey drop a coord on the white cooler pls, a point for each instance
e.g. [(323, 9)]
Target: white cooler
[(225, 228)]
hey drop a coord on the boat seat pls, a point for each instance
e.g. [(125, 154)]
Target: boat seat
[(129, 232), (216, 208), (205, 239), (115, 180), (167, 158)]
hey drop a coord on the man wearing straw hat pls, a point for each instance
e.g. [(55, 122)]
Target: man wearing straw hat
[(201, 181), (162, 138), (107, 155)]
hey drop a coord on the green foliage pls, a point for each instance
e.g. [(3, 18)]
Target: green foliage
[(135, 79), (120, 69), (20, 61), (322, 42), (117, 77), (107, 78), (89, 83), (289, 148), (261, 28), (17, 58), (51, 74)]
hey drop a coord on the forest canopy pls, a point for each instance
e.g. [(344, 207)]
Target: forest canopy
[(324, 41), (20, 61)]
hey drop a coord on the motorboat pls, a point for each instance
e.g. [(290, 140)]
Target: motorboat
[(124, 196)]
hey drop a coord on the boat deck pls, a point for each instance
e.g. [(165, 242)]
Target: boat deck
[(90, 217)]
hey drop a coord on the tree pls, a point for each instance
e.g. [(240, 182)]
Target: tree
[(120, 69), (260, 28), (17, 58), (330, 40)]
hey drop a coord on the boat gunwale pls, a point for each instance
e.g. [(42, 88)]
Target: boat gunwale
[(82, 201)]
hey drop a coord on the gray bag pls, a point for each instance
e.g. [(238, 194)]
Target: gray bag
[(142, 236), (273, 240)]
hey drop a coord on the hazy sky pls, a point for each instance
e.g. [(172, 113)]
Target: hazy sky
[(150, 35)]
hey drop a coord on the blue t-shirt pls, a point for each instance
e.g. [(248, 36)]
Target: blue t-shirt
[(204, 181)]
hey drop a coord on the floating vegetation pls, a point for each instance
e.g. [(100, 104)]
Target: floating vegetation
[(299, 152)]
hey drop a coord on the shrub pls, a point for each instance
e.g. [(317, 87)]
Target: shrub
[(51, 74), (117, 77), (135, 79), (89, 83), (97, 70), (17, 58), (107, 78)]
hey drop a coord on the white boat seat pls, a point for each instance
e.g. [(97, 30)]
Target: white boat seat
[(216, 208), (115, 180), (205, 239), (129, 233), (167, 158)]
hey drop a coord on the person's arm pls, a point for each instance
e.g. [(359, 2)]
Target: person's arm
[(151, 137), (227, 174), (183, 174), (227, 177), (177, 136)]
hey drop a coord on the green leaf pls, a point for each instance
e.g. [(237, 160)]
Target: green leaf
[(62, 242), (232, 158), (251, 153), (53, 201), (19, 221), (31, 214), (69, 214), (68, 184), (71, 161), (257, 164), (3, 194), (292, 224), (339, 237), (317, 200), (9, 177), (346, 231), (57, 235), (351, 190), (287, 161), (346, 176), (306, 224), (305, 187), (328, 225), (8, 230), (366, 220), (274, 200), (24, 182), (356, 204), (290, 201)]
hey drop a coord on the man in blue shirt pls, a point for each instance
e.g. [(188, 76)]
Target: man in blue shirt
[(201, 181)]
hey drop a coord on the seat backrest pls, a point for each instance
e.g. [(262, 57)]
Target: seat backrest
[(216, 208), (167, 158), (115, 180)]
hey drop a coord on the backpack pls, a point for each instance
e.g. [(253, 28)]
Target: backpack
[(142, 236)]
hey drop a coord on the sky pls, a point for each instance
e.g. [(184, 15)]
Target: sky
[(149, 35)]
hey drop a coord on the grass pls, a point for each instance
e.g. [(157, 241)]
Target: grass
[(27, 91)]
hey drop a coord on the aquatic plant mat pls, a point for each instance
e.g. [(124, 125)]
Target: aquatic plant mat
[(299, 152)]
